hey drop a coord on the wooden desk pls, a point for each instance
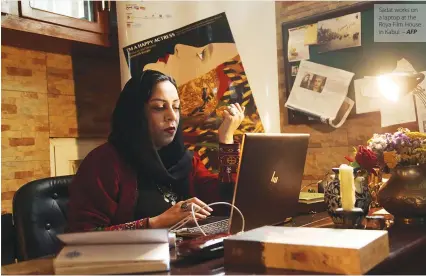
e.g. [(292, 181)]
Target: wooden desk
[(407, 254)]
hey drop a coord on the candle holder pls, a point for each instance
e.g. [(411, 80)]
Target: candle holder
[(351, 218)]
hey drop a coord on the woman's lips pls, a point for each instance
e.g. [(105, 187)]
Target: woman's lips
[(170, 130), (164, 59)]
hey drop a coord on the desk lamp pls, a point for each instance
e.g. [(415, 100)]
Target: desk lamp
[(396, 85)]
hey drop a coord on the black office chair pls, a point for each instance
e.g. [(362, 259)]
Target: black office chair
[(39, 214), (8, 240)]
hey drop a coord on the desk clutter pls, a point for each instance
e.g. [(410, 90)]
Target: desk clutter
[(324, 250), (310, 244)]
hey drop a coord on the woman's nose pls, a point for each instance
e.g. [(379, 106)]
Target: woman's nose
[(170, 115)]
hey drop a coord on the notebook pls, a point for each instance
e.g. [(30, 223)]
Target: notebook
[(309, 198)]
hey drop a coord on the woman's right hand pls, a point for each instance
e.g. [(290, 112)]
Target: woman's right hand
[(180, 211)]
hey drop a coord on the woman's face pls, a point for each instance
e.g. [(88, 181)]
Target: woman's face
[(317, 84), (188, 62), (162, 111), (306, 78)]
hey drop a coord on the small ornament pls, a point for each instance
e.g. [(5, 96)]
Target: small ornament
[(168, 195)]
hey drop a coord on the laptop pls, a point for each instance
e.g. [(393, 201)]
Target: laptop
[(268, 183)]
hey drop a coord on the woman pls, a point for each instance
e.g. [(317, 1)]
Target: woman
[(185, 58), (305, 83), (318, 83), (143, 177)]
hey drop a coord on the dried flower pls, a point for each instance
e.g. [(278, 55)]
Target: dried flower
[(390, 159), (350, 159), (366, 158), (401, 148)]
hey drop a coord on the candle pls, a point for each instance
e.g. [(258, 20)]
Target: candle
[(347, 187)]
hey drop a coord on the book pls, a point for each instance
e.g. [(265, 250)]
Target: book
[(324, 250), (320, 92), (114, 252), (309, 198)]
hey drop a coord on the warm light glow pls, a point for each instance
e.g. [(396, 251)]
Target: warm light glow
[(388, 87)]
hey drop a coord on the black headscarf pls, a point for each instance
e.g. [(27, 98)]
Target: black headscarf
[(171, 164)]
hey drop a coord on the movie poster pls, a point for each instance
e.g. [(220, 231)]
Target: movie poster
[(203, 59)]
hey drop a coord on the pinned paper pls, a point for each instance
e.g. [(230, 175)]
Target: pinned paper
[(364, 102), (297, 50), (370, 88), (400, 112), (404, 66), (311, 34), (320, 91)]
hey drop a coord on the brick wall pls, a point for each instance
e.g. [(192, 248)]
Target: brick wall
[(327, 146), (47, 95)]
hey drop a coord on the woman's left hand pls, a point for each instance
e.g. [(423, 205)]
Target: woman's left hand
[(233, 116)]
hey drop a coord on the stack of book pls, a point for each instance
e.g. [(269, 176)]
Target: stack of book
[(114, 252)]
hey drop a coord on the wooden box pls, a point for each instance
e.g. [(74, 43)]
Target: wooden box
[(336, 251)]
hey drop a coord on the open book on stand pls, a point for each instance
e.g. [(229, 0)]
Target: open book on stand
[(320, 91), (114, 252)]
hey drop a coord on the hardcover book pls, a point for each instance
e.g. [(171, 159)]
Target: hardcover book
[(114, 252), (325, 250)]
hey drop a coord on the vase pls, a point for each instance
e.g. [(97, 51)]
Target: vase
[(404, 194), (332, 194)]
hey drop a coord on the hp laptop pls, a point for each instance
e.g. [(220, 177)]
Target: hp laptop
[(268, 183)]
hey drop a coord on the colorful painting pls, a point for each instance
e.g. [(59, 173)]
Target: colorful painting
[(203, 59)]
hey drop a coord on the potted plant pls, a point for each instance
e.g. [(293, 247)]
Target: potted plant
[(403, 154)]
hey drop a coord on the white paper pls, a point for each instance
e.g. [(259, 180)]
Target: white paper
[(345, 109), (421, 108), (319, 90), (297, 50), (370, 87), (400, 112), (364, 103), (116, 237), (403, 66), (115, 253)]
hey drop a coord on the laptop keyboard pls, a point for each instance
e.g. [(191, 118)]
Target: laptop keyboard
[(212, 228)]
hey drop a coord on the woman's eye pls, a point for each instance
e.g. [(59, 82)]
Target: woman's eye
[(159, 108), (176, 107)]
